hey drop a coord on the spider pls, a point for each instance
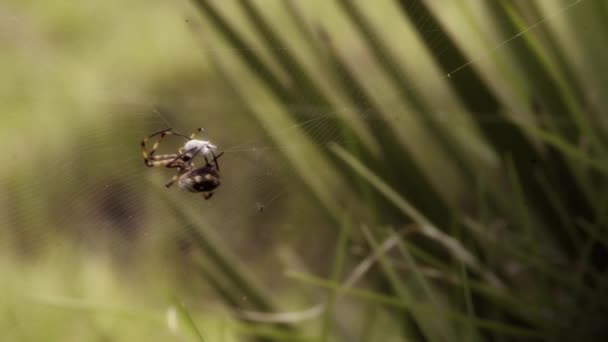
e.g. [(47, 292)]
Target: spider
[(204, 179)]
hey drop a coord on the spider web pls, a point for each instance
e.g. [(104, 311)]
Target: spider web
[(99, 182)]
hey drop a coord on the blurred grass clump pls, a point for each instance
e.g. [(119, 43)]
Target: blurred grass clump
[(446, 164)]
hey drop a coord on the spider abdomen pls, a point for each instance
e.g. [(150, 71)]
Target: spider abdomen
[(203, 179)]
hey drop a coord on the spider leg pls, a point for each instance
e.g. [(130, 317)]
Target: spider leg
[(179, 162), (195, 133), (181, 135), (183, 166), (195, 154), (161, 160), (148, 155), (159, 132), (174, 178), (215, 158), (168, 131)]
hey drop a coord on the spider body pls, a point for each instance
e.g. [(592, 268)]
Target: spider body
[(205, 147), (204, 179)]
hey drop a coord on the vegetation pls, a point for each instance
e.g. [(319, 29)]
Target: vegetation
[(411, 170)]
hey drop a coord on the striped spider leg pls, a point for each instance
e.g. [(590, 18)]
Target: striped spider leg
[(203, 179)]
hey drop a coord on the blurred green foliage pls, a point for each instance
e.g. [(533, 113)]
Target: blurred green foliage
[(407, 170)]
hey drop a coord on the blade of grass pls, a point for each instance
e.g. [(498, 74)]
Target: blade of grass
[(503, 299), (567, 149), (407, 169), (535, 52), (307, 90), (421, 307), (568, 119), (388, 62), (369, 323), (556, 201), (299, 149), (215, 252), (520, 199), (244, 50), (468, 85), (218, 281), (468, 300), (336, 274), (544, 266), (584, 262), (302, 26), (435, 330), (427, 228), (187, 318), (292, 100), (426, 288), (598, 234), (527, 311), (232, 293)]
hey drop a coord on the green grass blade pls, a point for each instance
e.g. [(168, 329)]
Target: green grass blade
[(545, 266), (600, 165), (556, 202), (468, 300), (422, 308), (245, 52), (336, 275), (504, 299), (302, 152), (407, 170), (184, 313), (534, 53), (435, 330), (218, 255), (426, 227), (388, 62), (303, 27), (520, 198), (307, 91)]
